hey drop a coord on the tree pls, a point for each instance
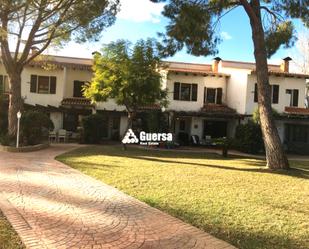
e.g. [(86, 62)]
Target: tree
[(193, 24), (302, 50), (128, 75), (28, 27)]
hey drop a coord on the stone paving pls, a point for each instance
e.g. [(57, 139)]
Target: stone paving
[(51, 205)]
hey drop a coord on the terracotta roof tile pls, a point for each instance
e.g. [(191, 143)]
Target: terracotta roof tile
[(297, 110), (61, 65), (76, 101), (217, 109), (196, 71), (285, 74)]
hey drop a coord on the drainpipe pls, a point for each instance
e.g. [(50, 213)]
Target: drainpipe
[(307, 95), (65, 79)]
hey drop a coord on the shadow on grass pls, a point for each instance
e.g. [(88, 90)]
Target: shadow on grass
[(237, 235), (254, 165)]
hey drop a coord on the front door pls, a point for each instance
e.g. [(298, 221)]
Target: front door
[(115, 128), (215, 129)]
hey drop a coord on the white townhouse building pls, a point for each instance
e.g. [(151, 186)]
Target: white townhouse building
[(204, 99)]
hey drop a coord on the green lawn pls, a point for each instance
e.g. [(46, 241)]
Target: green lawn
[(234, 199), (8, 237)]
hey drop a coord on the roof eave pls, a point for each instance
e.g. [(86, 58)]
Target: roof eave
[(204, 73), (288, 75)]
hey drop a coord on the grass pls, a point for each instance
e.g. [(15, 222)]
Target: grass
[(235, 199), (8, 237)]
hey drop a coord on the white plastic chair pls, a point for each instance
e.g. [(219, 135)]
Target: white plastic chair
[(62, 134), (52, 136)]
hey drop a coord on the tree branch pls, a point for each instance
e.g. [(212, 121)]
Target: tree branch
[(5, 50), (34, 29), (21, 29), (272, 13), (249, 10)]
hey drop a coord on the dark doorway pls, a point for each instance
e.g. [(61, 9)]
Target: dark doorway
[(70, 121), (215, 129)]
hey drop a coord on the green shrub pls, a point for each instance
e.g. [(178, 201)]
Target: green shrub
[(256, 115), (94, 128), (34, 127), (6, 140), (248, 138), (154, 122), (183, 138)]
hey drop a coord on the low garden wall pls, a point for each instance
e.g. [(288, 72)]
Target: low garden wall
[(24, 149)]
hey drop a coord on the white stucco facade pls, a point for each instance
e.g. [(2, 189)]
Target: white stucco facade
[(235, 79), (284, 83), (201, 81)]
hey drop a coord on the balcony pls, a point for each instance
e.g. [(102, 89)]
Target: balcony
[(296, 110)]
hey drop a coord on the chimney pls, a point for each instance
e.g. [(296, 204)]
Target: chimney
[(95, 53), (215, 64), (284, 67)]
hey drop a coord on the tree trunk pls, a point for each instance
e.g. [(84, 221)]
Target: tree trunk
[(275, 155), (131, 116), (16, 101)]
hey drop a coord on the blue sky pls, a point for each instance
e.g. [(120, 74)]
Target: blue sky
[(141, 19)]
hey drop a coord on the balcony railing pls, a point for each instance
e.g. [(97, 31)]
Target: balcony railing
[(296, 110)]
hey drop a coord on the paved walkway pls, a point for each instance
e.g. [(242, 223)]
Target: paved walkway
[(51, 205)]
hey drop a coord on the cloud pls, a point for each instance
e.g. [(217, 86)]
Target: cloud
[(140, 11), (226, 35)]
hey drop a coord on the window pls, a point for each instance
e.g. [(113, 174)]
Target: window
[(274, 93), (219, 96), (176, 90), (78, 89), (255, 93), (116, 123), (210, 95), (4, 84), (294, 94), (43, 84), (213, 95), (297, 133), (184, 91), (194, 92)]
